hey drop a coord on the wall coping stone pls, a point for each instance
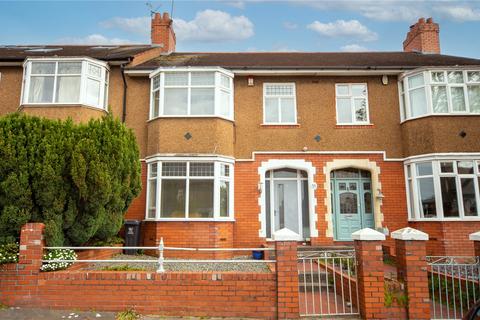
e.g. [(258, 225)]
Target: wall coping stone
[(286, 235), (368, 234), (409, 234), (474, 236)]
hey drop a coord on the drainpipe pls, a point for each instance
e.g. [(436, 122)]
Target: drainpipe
[(124, 102)]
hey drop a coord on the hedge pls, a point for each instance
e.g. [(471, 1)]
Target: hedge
[(79, 179)]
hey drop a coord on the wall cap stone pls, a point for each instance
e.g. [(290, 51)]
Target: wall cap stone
[(286, 235), (409, 234), (474, 236), (368, 234)]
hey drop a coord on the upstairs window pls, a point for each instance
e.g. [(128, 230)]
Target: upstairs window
[(181, 93), (279, 103), (352, 103), (440, 92), (65, 81)]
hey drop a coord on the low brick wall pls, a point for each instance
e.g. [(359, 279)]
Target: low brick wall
[(171, 294)]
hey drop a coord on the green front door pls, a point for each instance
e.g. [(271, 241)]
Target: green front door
[(352, 202)]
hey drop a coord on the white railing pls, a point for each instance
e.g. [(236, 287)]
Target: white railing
[(454, 285), (161, 259)]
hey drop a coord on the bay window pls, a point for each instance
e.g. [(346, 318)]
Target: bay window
[(437, 92), (443, 189), (64, 81), (191, 92), (189, 190)]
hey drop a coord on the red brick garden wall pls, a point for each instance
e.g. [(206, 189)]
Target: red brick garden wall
[(179, 294)]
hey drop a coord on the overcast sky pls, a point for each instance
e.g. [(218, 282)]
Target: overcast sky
[(250, 25)]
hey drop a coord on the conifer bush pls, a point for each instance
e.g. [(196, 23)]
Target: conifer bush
[(78, 179)]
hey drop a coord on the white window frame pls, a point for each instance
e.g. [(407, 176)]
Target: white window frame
[(217, 177), (279, 97), (428, 83), (104, 81), (218, 88), (352, 104), (437, 174)]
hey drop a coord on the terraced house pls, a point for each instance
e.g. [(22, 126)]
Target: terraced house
[(235, 146)]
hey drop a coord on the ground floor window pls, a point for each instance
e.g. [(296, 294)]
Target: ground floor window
[(189, 189), (443, 188), (286, 201)]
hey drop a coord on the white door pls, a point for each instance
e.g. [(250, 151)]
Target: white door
[(286, 205)]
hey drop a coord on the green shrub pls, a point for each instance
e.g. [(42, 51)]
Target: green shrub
[(9, 253), (78, 179), (123, 267), (58, 254), (129, 314)]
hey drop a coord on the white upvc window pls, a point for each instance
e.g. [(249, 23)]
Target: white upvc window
[(191, 92), (440, 92), (443, 189), (279, 103), (352, 103), (65, 81), (190, 189)]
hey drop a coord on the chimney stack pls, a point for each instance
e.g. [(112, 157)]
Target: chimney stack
[(162, 34), (423, 37)]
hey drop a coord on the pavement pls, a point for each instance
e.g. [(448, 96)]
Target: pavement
[(17, 313)]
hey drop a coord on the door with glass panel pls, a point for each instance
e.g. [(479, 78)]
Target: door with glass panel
[(287, 202), (351, 202)]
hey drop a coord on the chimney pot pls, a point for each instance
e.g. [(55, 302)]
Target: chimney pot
[(162, 34), (423, 37)]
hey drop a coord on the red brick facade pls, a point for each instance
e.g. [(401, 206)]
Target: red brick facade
[(446, 238), (423, 37)]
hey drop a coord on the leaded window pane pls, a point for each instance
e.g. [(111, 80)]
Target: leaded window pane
[(176, 78), (43, 68), (199, 169), (69, 67), (203, 78), (174, 169)]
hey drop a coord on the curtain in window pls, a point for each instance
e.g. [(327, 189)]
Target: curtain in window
[(41, 89), (68, 89)]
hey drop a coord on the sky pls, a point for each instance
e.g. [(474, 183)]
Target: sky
[(244, 25)]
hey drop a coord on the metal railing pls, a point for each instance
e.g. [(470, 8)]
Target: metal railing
[(327, 283), (454, 285), (161, 248)]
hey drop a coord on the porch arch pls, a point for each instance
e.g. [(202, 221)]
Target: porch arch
[(363, 164), (296, 164)]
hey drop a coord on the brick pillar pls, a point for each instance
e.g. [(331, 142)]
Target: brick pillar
[(287, 274), (475, 237), (411, 254), (370, 272), (31, 247)]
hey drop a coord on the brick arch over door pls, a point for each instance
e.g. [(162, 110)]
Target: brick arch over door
[(363, 164)]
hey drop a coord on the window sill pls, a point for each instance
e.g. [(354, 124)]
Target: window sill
[(442, 115), (355, 126), (191, 117), (280, 125), (189, 220), (56, 105), (446, 219)]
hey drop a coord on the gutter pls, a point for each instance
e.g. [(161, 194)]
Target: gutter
[(125, 86)]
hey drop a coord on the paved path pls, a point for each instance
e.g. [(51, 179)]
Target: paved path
[(12, 313)]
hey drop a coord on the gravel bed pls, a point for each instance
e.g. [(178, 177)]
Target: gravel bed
[(180, 266)]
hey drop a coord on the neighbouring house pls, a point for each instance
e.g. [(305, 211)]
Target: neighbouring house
[(237, 145)]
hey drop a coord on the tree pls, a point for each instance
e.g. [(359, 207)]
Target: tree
[(79, 179)]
